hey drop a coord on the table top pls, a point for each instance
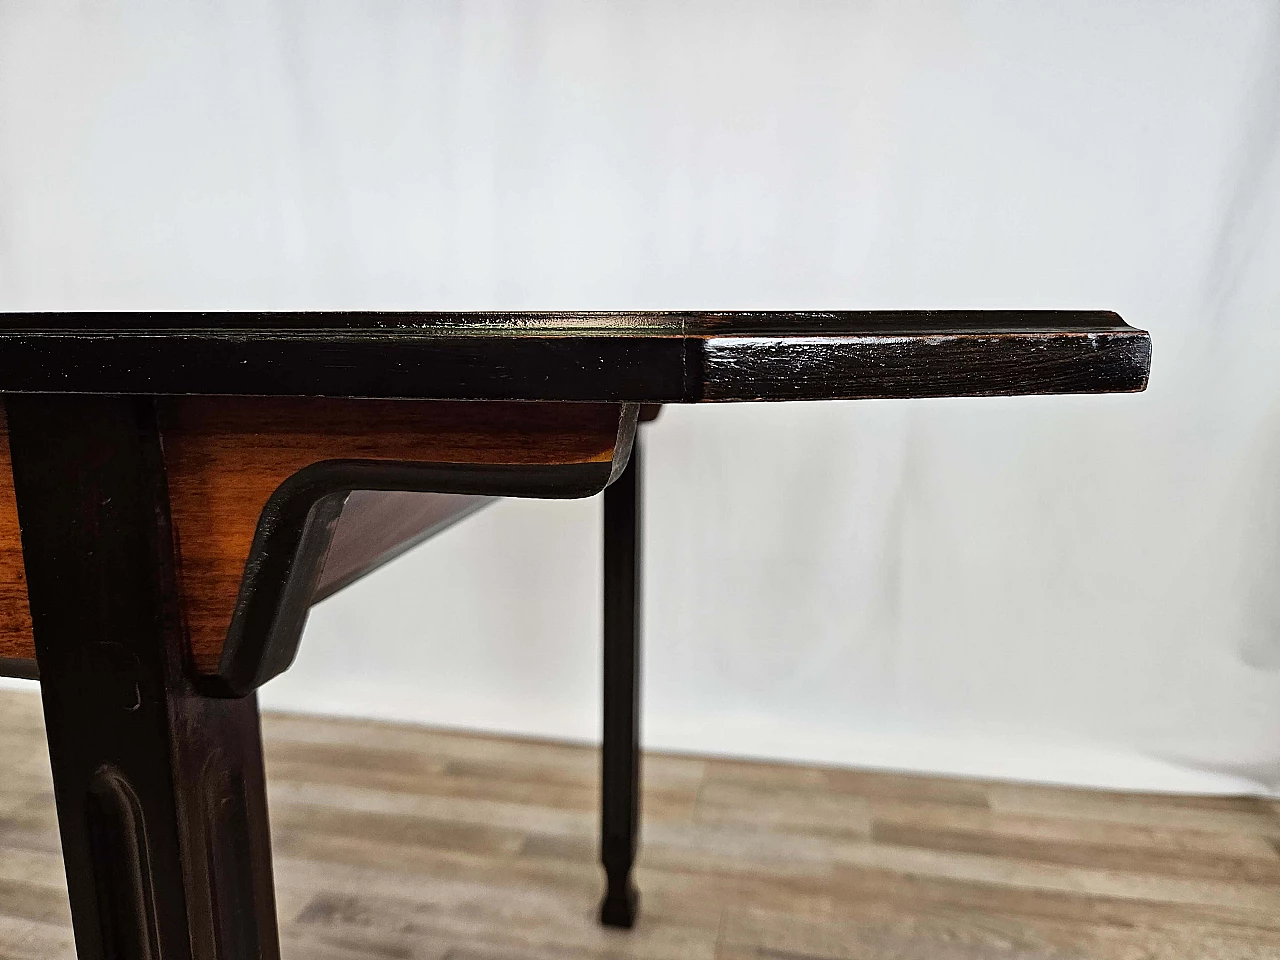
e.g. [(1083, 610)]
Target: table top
[(649, 357)]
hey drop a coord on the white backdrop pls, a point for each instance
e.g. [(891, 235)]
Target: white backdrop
[(1078, 589)]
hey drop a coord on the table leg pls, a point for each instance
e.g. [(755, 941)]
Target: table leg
[(620, 751), (160, 794)]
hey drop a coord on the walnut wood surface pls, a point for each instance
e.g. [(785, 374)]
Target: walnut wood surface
[(646, 357), (378, 525), (226, 457), (15, 614)]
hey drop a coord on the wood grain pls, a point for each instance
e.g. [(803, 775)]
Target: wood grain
[(396, 841), (376, 526), (16, 643), (226, 456)]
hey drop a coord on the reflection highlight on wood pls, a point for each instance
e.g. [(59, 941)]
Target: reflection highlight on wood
[(645, 357), (377, 526), (226, 456), (15, 613)]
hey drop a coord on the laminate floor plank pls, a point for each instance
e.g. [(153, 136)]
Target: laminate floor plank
[(401, 843), (1242, 815), (1249, 899), (774, 807), (1074, 852), (886, 816), (22, 939), (855, 887)]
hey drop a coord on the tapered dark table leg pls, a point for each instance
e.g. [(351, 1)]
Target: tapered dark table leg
[(620, 752), (160, 794)]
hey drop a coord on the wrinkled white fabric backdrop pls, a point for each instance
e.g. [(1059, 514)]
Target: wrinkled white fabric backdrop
[(1077, 589)]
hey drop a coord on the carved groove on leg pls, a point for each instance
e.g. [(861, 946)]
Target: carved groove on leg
[(145, 836), (121, 867)]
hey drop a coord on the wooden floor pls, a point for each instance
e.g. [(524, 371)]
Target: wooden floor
[(396, 842)]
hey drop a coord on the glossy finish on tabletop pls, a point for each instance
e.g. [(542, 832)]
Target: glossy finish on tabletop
[(655, 357)]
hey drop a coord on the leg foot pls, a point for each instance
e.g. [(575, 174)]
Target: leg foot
[(621, 903)]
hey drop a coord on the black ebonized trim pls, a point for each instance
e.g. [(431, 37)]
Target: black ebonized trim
[(295, 530), (160, 793), (940, 365), (297, 524), (21, 669), (641, 357), (401, 324), (620, 744), (607, 369)]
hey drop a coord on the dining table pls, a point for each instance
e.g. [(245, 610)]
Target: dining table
[(178, 490)]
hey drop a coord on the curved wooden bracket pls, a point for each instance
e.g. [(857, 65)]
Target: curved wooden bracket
[(377, 526), (297, 526), (257, 487)]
